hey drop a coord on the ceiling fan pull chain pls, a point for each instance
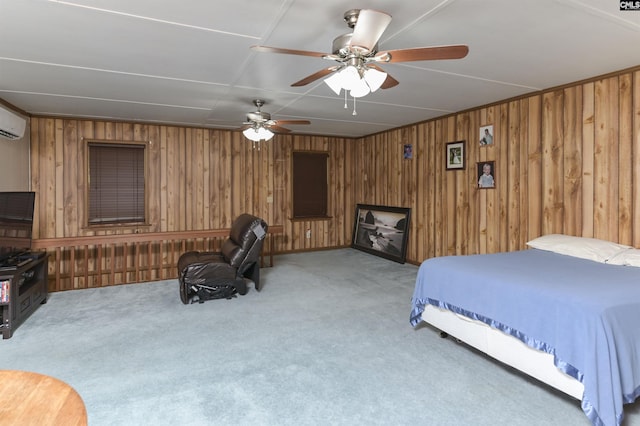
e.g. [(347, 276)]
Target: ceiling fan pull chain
[(354, 107), (345, 99)]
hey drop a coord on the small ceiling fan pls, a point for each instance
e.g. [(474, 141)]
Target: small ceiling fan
[(357, 54), (259, 125)]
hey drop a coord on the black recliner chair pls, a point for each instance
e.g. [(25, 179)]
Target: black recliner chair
[(220, 275)]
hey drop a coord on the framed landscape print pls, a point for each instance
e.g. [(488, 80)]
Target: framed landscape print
[(382, 231), (455, 155)]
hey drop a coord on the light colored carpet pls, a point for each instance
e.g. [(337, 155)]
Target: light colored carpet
[(326, 342)]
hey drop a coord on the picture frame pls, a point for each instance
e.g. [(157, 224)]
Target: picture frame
[(381, 231), (486, 135), (486, 174), (455, 155), (408, 151)]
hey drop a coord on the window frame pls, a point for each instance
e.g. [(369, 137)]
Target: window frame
[(145, 160)]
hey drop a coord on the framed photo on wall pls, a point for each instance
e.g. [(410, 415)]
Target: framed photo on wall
[(455, 155), (381, 231), (486, 174), (408, 151), (486, 135)]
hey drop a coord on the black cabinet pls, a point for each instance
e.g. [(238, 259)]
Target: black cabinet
[(23, 288)]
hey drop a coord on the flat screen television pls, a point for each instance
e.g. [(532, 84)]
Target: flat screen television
[(16, 224)]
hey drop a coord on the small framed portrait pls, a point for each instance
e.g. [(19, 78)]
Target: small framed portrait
[(408, 151), (486, 135), (455, 155), (486, 174)]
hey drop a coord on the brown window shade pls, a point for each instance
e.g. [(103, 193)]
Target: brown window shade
[(116, 183), (310, 184)]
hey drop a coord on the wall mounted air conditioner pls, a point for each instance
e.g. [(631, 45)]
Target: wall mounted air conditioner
[(11, 125)]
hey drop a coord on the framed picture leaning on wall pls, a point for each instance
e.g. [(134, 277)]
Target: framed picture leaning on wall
[(381, 231)]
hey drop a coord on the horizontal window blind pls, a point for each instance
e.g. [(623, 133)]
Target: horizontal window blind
[(116, 183)]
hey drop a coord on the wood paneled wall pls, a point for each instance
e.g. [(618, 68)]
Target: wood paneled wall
[(567, 161), (197, 179)]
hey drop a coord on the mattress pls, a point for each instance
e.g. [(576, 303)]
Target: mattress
[(504, 348)]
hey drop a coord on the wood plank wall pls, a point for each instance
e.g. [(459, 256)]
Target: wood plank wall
[(197, 179), (567, 161)]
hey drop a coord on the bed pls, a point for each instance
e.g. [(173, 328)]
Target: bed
[(566, 314)]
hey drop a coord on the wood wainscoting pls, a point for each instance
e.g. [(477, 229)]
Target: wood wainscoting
[(106, 260)]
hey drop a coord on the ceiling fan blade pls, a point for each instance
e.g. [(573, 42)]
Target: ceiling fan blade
[(278, 129), (315, 76), (369, 28), (279, 122), (427, 53), (267, 49), (389, 81)]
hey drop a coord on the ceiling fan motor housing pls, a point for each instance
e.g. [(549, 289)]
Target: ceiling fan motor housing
[(342, 47), (258, 116)]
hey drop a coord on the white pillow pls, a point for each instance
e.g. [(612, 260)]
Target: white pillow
[(582, 247), (629, 257)]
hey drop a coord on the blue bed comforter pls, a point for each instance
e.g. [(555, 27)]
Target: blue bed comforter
[(586, 314)]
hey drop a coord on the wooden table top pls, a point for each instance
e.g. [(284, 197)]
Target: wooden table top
[(34, 399)]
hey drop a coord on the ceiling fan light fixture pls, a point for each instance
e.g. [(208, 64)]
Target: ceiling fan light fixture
[(374, 78), (257, 134), (360, 89), (350, 77), (347, 78), (357, 82), (265, 133), (251, 134), (334, 82)]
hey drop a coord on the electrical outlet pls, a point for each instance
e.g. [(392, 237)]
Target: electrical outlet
[(308, 233)]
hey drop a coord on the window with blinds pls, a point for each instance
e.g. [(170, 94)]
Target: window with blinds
[(116, 193), (310, 186)]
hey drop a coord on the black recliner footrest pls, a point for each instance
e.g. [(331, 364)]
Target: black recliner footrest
[(204, 293)]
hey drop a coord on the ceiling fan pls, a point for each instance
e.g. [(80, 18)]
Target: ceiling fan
[(259, 125), (357, 55)]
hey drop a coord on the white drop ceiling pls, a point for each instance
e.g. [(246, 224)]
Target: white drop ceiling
[(189, 62)]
